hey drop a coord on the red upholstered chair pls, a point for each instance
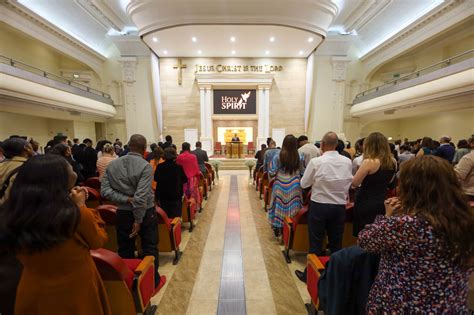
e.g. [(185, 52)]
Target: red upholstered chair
[(315, 265), (169, 234), (93, 182), (258, 177), (189, 212), (130, 283), (94, 199), (211, 174), (264, 182), (250, 147), (295, 233), (267, 193), (108, 213), (218, 148), (203, 186)]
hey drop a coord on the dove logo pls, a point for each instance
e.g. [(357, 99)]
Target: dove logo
[(234, 102)]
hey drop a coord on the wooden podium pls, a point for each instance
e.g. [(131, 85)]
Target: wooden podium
[(234, 150)]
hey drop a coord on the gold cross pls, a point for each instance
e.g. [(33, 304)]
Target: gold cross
[(180, 67)]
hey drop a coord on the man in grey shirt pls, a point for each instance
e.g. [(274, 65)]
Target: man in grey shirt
[(201, 156), (127, 182)]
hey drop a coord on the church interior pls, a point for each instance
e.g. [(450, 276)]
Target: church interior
[(236, 157)]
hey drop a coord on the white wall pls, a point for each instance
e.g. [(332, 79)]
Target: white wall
[(457, 124)]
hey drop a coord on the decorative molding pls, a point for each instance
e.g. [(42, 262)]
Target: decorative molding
[(260, 81), (365, 13), (129, 67), (445, 16), (19, 17), (339, 68), (101, 13)]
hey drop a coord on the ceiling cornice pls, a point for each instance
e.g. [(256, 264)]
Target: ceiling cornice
[(312, 16), (101, 12), (428, 26), (19, 17), (365, 13)]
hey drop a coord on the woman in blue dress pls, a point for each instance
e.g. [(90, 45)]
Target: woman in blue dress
[(286, 198)]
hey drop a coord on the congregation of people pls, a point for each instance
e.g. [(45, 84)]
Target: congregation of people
[(411, 214), (45, 220), (409, 202)]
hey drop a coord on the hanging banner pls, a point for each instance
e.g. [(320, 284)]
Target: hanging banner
[(235, 102)]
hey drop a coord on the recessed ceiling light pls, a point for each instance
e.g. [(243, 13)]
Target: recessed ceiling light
[(155, 39), (165, 52), (272, 39), (199, 52), (232, 39), (267, 52), (194, 39), (233, 52), (310, 40), (301, 52)]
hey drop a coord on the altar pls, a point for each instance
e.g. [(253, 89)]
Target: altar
[(234, 149)]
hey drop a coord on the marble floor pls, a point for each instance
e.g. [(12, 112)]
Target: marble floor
[(231, 263)]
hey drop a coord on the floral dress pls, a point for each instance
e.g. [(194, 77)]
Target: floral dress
[(416, 275), (286, 198)]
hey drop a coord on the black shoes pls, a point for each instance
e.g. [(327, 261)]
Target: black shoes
[(277, 232), (301, 275)]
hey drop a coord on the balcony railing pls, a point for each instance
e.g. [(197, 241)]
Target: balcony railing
[(395, 84), (64, 83)]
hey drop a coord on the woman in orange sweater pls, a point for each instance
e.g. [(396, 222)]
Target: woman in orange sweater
[(46, 223)]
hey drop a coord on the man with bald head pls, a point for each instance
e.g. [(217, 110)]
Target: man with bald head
[(127, 182), (330, 177)]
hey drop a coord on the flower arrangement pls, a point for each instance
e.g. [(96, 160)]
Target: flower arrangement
[(216, 164), (250, 163)]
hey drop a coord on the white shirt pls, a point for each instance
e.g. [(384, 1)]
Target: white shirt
[(309, 152), (330, 176), (356, 163)]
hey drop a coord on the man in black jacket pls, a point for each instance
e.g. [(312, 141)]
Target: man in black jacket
[(201, 156)]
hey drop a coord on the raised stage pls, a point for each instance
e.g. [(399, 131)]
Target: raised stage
[(232, 164)]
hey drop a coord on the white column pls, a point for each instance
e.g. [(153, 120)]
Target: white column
[(339, 66), (261, 117), (205, 93), (266, 126), (207, 142), (309, 91), (129, 66), (202, 94)]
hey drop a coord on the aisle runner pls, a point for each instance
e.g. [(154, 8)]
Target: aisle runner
[(232, 289)]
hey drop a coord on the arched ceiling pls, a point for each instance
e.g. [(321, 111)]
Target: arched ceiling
[(243, 28)]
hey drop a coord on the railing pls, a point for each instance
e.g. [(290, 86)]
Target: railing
[(23, 66), (453, 60)]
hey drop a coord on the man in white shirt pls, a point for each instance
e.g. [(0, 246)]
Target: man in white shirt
[(308, 150), (330, 177)]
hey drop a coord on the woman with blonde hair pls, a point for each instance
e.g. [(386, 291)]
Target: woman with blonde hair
[(426, 243), (108, 155), (373, 176)]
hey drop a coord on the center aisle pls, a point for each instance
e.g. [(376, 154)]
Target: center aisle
[(232, 259)]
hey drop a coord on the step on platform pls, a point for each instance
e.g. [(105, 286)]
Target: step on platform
[(232, 164)]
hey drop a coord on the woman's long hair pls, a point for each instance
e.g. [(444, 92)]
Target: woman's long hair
[(289, 156), (39, 213), (429, 188), (376, 147)]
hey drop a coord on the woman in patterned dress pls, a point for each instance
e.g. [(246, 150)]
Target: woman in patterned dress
[(426, 243), (286, 195)]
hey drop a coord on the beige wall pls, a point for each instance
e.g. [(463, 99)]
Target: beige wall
[(457, 124), (181, 104), (43, 129)]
